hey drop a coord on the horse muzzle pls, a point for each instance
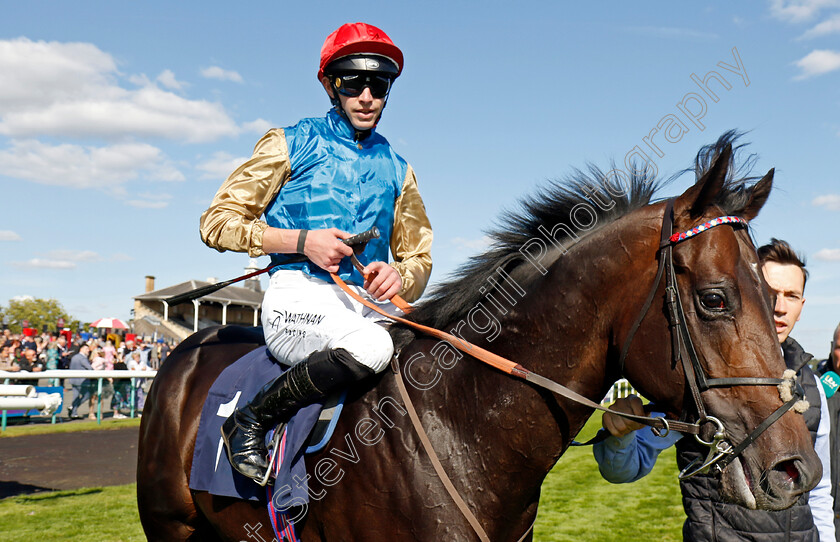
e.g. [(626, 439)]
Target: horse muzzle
[(778, 487)]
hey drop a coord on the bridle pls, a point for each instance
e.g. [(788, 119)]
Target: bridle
[(721, 451)]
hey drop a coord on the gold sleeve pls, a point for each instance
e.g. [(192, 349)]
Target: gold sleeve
[(233, 220), (411, 240)]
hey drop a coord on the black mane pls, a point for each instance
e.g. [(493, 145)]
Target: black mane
[(554, 205)]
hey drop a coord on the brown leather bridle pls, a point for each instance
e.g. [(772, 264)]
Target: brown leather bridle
[(721, 451)]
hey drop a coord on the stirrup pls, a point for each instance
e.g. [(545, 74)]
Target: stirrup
[(273, 451)]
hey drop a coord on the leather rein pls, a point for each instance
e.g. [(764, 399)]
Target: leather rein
[(721, 452)]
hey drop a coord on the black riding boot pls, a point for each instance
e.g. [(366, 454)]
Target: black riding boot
[(306, 382)]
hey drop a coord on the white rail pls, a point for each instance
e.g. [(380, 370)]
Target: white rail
[(16, 390), (66, 373), (620, 389), (50, 402)]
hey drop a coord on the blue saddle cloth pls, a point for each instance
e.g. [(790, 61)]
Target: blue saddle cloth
[(211, 470)]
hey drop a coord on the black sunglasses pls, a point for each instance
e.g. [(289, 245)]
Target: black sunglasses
[(352, 85)]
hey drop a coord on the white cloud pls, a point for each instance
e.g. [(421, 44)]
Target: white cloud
[(146, 112), (72, 90), (220, 165), (9, 235), (215, 72), (473, 245), (829, 201), (36, 74), (85, 167), (59, 259), (67, 259), (818, 62), (829, 26), (73, 255), (149, 200), (795, 11), (38, 263), (148, 204), (828, 255), (259, 126), (167, 79)]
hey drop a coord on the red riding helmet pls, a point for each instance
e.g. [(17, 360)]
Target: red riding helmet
[(354, 38)]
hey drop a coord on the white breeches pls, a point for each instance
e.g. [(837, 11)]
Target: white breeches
[(302, 314)]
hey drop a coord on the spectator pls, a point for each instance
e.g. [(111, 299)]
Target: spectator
[(7, 360), (82, 389), (97, 361), (832, 363), (28, 340), (164, 351), (30, 362), (126, 349), (145, 352), (51, 356), (628, 454), (109, 352), (39, 345), (136, 363), (122, 387), (63, 353)]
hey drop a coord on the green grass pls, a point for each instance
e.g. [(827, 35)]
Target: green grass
[(576, 505), (101, 514), (87, 425)]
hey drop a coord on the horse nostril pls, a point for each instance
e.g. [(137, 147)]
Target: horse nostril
[(790, 469)]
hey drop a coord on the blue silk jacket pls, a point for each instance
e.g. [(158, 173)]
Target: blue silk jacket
[(337, 182), (314, 175)]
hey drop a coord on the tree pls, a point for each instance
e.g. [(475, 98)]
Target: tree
[(38, 312)]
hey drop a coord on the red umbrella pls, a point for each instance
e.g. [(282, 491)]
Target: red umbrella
[(114, 323)]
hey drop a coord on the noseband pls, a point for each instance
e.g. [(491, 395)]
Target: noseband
[(721, 451)]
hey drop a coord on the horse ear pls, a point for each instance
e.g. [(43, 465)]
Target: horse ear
[(696, 199), (758, 195)]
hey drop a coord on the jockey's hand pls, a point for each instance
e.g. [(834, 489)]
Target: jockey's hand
[(619, 426), (325, 249), (383, 281)]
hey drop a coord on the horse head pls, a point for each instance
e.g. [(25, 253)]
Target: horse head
[(729, 321)]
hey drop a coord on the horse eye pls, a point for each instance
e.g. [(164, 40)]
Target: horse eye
[(713, 301)]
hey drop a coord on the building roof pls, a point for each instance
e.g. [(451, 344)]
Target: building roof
[(229, 294)]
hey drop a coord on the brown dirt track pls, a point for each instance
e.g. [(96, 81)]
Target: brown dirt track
[(29, 464)]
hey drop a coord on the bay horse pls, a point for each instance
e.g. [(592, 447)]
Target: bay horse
[(561, 292)]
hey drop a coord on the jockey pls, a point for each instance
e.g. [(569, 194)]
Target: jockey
[(319, 182)]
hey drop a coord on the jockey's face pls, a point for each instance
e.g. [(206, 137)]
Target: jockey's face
[(363, 110)]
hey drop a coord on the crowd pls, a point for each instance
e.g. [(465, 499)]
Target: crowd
[(30, 352)]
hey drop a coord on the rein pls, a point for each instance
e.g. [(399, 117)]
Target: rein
[(721, 452)]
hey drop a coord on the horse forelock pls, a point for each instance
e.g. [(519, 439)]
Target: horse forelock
[(552, 208)]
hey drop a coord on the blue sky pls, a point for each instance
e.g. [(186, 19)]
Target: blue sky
[(118, 121)]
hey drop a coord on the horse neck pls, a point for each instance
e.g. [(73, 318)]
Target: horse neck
[(558, 326)]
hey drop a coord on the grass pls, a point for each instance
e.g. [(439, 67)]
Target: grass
[(576, 505), (86, 425), (101, 514)]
